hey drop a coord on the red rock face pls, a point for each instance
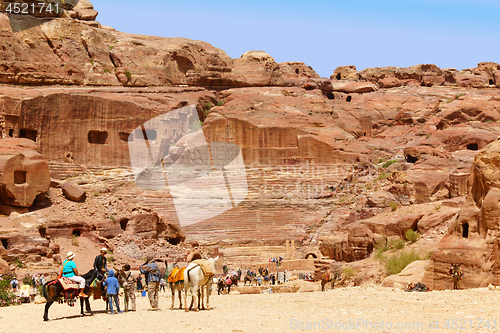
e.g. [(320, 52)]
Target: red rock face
[(24, 172), (473, 237)]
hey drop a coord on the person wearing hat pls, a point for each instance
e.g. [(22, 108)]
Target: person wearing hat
[(70, 272), (100, 262), (153, 275)]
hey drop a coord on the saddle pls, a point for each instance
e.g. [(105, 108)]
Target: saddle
[(68, 284), (177, 275), (205, 266), (326, 276)]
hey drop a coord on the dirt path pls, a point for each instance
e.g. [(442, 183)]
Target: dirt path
[(347, 309)]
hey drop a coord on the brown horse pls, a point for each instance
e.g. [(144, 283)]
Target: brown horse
[(329, 277), (52, 290), (457, 274)]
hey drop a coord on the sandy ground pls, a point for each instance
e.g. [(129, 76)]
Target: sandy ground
[(343, 309)]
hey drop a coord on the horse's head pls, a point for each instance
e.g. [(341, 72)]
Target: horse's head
[(212, 261)]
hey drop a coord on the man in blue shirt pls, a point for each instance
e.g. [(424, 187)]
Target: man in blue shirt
[(70, 272), (153, 275)]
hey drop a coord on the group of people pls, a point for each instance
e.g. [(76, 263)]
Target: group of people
[(109, 280)]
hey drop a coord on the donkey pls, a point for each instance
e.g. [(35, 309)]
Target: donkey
[(329, 277), (52, 290), (194, 278), (176, 285), (457, 274)]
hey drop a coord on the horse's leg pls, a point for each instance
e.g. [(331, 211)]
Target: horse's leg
[(196, 299), (201, 297), (87, 306), (209, 290), (81, 306), (47, 306), (180, 297), (172, 289)]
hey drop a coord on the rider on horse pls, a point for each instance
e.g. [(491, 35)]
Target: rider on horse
[(70, 272)]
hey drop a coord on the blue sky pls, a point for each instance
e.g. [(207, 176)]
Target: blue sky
[(325, 34)]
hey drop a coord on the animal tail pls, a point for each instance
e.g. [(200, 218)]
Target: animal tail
[(190, 271), (44, 290)]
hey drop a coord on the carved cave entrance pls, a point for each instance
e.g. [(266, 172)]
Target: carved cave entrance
[(472, 146), (77, 232), (5, 243), (123, 224), (97, 137), (465, 230), (127, 137), (330, 95), (19, 177), (175, 241), (311, 256), (145, 134), (28, 134), (411, 159)]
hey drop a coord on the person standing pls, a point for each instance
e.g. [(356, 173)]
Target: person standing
[(162, 284), (111, 283), (153, 275), (129, 285), (139, 283)]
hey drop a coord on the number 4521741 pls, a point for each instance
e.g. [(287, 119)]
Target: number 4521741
[(38, 8)]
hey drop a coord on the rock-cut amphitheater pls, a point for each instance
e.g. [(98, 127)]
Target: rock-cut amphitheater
[(333, 167)]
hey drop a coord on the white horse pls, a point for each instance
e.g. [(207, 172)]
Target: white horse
[(194, 278)]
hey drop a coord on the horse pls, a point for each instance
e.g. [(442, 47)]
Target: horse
[(329, 277), (175, 286), (52, 290), (194, 278), (457, 274), (222, 284), (250, 279)]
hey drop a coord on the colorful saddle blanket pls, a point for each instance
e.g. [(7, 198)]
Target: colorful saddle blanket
[(68, 284), (176, 275)]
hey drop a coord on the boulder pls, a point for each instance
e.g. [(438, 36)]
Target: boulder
[(24, 173), (4, 266), (414, 272), (394, 224), (434, 220), (57, 260), (72, 191), (380, 199)]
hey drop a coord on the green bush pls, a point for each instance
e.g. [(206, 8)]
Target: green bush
[(388, 163), (348, 271), (18, 263), (128, 75), (393, 205), (219, 103), (382, 175), (196, 125), (74, 240), (380, 247), (397, 262), (397, 244), (411, 236), (7, 297), (26, 280)]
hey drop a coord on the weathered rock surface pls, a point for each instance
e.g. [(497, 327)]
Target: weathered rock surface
[(472, 239), (24, 173), (73, 191)]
